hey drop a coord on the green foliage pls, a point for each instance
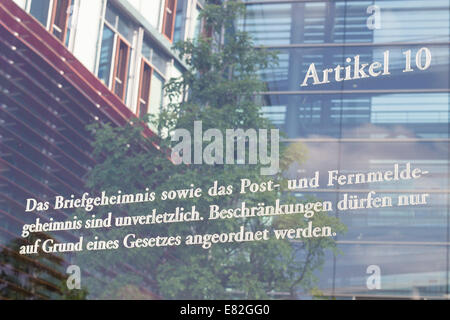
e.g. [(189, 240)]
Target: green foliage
[(219, 89)]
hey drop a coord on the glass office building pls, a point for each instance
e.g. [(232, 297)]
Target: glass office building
[(367, 125)]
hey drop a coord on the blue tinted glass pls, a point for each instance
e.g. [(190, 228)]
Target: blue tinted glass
[(294, 63), (347, 21), (69, 25), (178, 31), (147, 49), (120, 22), (106, 55), (111, 15), (156, 93), (160, 60), (360, 115), (39, 10), (125, 29), (366, 125)]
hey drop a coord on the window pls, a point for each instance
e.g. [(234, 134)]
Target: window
[(154, 65), (54, 15), (60, 18), (169, 18), (154, 54), (119, 22), (150, 96), (104, 68), (156, 98), (180, 18), (121, 68), (144, 89), (39, 10), (115, 53)]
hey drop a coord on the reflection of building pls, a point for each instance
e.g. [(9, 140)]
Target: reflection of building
[(367, 124), (63, 65), (23, 277)]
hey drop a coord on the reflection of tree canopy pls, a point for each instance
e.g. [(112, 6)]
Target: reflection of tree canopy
[(220, 84)]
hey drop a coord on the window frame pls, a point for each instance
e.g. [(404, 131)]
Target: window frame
[(118, 39), (52, 25), (144, 60), (144, 63), (51, 14), (165, 14)]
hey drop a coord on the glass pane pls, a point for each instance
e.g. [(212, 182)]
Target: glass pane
[(106, 52), (39, 10), (360, 115), (122, 60), (61, 19), (122, 70), (121, 23), (156, 93), (169, 18), (147, 49), (151, 52), (339, 21), (69, 24), (294, 63), (125, 29), (409, 241), (111, 15), (160, 60), (180, 18)]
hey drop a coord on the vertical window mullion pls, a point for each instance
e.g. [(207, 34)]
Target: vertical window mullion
[(141, 77), (50, 15), (113, 61)]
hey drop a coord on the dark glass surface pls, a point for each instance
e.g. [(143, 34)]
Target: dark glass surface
[(106, 52), (309, 22), (39, 10), (363, 125)]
